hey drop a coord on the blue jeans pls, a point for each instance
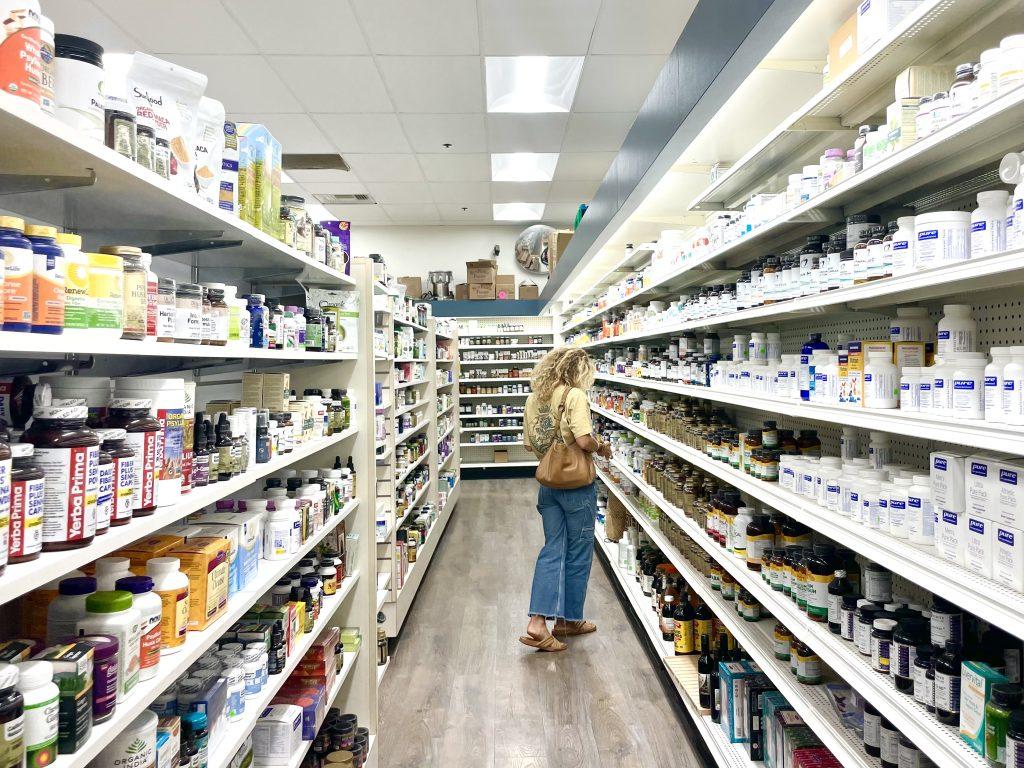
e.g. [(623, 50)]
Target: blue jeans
[(563, 565)]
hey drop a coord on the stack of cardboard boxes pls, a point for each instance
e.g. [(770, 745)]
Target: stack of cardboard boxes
[(481, 279)]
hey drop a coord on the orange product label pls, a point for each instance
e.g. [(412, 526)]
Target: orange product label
[(173, 617), (48, 290), (149, 644), (21, 59), (17, 285)]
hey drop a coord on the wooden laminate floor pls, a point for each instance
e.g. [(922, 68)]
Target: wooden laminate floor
[(461, 692)]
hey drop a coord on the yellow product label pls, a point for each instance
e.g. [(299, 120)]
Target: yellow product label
[(703, 628), (106, 291), (76, 294), (816, 590), (173, 616), (683, 638)]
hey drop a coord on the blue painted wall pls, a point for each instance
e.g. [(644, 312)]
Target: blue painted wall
[(494, 308)]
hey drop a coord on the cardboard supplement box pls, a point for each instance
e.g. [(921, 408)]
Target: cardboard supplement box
[(205, 561)]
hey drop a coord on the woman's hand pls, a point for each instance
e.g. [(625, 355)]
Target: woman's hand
[(605, 450)]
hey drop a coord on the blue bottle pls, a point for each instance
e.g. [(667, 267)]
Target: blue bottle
[(259, 338), (813, 343), (48, 286), (17, 259)]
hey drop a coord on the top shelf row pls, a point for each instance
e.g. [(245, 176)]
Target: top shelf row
[(55, 175)]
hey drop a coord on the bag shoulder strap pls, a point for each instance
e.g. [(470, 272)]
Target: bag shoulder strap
[(561, 413)]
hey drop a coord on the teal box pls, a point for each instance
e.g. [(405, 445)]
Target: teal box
[(773, 703), (976, 681), (733, 677)]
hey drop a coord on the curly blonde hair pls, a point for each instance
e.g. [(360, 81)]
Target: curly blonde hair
[(571, 366)]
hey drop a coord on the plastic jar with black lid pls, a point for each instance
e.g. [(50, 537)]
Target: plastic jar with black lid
[(68, 452)]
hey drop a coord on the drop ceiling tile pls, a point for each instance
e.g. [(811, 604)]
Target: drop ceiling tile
[(425, 27), (471, 167), (82, 18), (392, 192), (597, 132), (434, 84), (412, 214), (572, 191), (385, 167), (537, 27), (583, 166), (311, 177), (334, 187), (333, 27), (461, 192), (360, 214), (629, 27), (182, 26), (429, 133), (520, 191), (616, 83), (559, 214), (296, 132), (335, 84), (379, 133), (260, 89), (526, 133), (473, 214)]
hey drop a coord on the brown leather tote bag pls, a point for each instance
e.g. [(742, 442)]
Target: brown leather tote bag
[(565, 466)]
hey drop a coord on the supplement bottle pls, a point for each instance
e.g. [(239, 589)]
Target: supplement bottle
[(109, 570), (219, 314), (168, 397), (958, 332), (105, 488), (77, 310), (106, 296), (910, 632), (924, 676), (188, 322), (881, 644), (881, 381), (194, 728), (166, 309), (172, 587), (1015, 738), (135, 308), (150, 607), (889, 745), (988, 223), (48, 274), (115, 445), (68, 608), (1004, 700), (18, 262), (68, 453), (144, 437), (27, 490), (111, 613), (947, 684), (104, 674), (994, 384), (41, 702), (838, 588), (947, 623), (1013, 386), (133, 746), (12, 718)]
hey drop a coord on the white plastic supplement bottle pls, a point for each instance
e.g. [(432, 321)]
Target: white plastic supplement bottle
[(134, 746), (911, 324), (958, 332), (899, 495), (879, 450), (968, 385), (910, 389), (994, 384), (289, 507), (35, 683), (111, 613), (920, 514), (988, 223), (881, 381), (68, 608), (172, 587), (150, 608), (277, 535), (109, 570), (903, 246)]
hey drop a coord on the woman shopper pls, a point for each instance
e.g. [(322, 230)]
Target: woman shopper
[(557, 428)]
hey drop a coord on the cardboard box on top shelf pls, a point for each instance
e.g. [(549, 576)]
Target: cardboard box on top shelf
[(557, 244), (529, 290), (482, 271), (461, 291), (505, 287), (479, 291), (501, 456), (920, 80), (842, 48), (877, 17), (413, 286)]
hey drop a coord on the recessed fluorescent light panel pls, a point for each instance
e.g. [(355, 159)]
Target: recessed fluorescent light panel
[(523, 166), (532, 83), (518, 211)]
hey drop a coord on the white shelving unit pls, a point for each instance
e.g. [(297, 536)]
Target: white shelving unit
[(940, 172), (530, 337)]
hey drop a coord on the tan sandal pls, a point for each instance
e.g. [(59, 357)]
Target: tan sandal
[(548, 644), (573, 628)]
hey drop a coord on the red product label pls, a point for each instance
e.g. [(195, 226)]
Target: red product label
[(151, 304), (26, 517), (78, 490), (148, 458), (149, 645), (21, 62)]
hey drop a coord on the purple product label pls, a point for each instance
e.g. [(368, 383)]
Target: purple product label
[(943, 335), (964, 384), (867, 377), (1008, 385), (1008, 476), (1018, 205), (926, 387), (904, 387), (894, 330), (949, 517), (978, 469), (900, 245), (991, 381), (940, 464), (928, 234), (1005, 537), (976, 526), (979, 226)]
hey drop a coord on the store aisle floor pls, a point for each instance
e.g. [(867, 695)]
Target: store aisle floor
[(462, 692)]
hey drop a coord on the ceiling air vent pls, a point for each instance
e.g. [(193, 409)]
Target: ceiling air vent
[(345, 199), (321, 162)]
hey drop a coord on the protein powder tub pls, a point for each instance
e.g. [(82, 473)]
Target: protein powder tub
[(27, 491), (144, 436), (68, 452), (115, 445)]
